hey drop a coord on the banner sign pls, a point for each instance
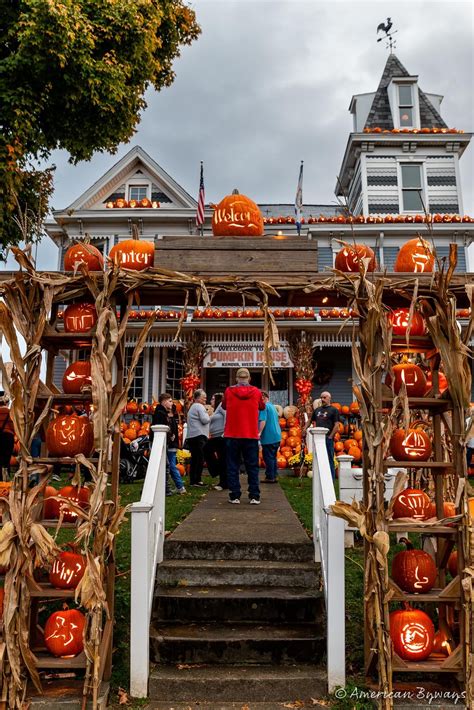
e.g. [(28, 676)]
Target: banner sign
[(241, 355)]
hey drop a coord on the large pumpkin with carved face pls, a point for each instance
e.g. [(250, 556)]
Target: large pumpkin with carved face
[(412, 503), (348, 258), (79, 317), (415, 256), (68, 435), (63, 632), (410, 445), (237, 215), (412, 633), (135, 254), (77, 377), (409, 374), (83, 254)]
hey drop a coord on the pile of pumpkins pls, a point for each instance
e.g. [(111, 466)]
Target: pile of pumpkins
[(291, 436)]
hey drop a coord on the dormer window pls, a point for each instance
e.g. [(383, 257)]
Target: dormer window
[(138, 192), (403, 99), (405, 105)]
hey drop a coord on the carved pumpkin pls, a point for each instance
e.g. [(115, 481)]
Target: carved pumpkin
[(67, 570), (135, 254), (411, 503), (68, 435), (443, 640), (442, 382), (399, 321), (85, 254), (77, 377), (63, 633), (237, 215), (410, 445), (449, 510), (50, 507), (413, 570), (410, 374), (77, 495), (415, 256), (348, 258), (412, 633), (79, 317)]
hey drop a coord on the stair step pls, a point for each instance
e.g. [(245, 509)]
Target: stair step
[(231, 643), (235, 572), (242, 684), (190, 705), (232, 603), (175, 548)]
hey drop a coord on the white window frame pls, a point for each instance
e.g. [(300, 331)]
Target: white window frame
[(394, 99), (423, 182), (140, 185)]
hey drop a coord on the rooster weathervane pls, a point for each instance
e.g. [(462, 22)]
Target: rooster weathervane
[(386, 27)]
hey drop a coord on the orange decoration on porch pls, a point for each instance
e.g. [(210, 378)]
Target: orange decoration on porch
[(237, 215), (415, 256)]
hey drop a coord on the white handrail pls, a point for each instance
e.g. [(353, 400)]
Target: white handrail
[(148, 535), (328, 534)]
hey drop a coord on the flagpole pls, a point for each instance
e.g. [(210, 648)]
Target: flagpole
[(299, 200), (201, 203)]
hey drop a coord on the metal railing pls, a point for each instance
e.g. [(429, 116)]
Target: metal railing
[(148, 535), (328, 538)]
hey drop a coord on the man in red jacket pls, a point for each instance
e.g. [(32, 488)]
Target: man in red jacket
[(242, 403)]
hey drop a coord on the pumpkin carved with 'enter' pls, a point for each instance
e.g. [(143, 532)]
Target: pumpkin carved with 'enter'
[(237, 215)]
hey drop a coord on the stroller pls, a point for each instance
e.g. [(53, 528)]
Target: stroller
[(134, 459)]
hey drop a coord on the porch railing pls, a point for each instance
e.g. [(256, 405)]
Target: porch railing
[(328, 537), (148, 535)]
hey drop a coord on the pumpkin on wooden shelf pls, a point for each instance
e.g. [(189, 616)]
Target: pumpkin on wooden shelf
[(349, 257), (79, 495), (400, 322), (412, 633), (442, 382), (135, 254), (83, 254), (63, 632), (410, 445), (77, 377), (411, 503), (413, 570), (79, 317), (237, 215), (50, 506), (68, 569), (415, 256), (443, 640), (68, 435), (453, 563), (409, 374), (449, 510)]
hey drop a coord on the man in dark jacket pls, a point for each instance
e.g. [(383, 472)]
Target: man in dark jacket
[(163, 414), (242, 403)]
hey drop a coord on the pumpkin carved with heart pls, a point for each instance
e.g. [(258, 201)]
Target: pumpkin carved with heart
[(413, 570), (415, 256), (412, 633), (410, 445), (237, 215), (349, 257), (63, 632), (68, 435)]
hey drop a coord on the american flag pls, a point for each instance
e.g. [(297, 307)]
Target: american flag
[(299, 199), (201, 199)]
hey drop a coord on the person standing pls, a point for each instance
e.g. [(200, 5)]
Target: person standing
[(270, 438), (215, 449), (242, 403), (198, 434), (327, 416), (163, 414), (7, 435)]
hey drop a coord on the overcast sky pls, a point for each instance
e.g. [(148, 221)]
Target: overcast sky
[(269, 83)]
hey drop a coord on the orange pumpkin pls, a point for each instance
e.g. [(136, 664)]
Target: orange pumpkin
[(449, 510), (68, 435), (79, 317), (130, 434), (5, 487), (355, 452), (284, 435), (67, 570), (411, 503), (339, 447), (181, 468), (442, 382), (286, 451), (63, 632), (399, 320), (410, 374), (354, 408), (83, 254), (412, 633), (50, 507), (292, 441), (77, 377), (281, 462), (132, 406), (415, 256), (295, 431), (134, 254), (282, 422), (237, 215), (79, 495), (349, 257), (292, 421), (453, 563), (358, 435), (413, 570), (410, 445)]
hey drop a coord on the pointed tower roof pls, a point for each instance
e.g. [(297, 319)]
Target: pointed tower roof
[(380, 114)]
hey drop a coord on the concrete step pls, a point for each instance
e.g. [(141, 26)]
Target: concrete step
[(233, 643), (300, 551), (264, 604), (273, 705), (244, 684), (238, 572)]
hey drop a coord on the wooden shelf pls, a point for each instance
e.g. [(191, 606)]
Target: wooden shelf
[(64, 460), (423, 403), (56, 340), (421, 529), (436, 663), (44, 660), (69, 398), (442, 465), (416, 343), (450, 593), (47, 591), (53, 523)]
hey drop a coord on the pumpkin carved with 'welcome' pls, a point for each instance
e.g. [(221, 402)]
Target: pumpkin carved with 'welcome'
[(415, 256), (237, 215), (68, 435), (412, 633), (348, 258), (413, 570)]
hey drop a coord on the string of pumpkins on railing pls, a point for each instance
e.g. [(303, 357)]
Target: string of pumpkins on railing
[(434, 130)]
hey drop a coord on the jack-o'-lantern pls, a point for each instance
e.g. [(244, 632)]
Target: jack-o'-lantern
[(77, 377), (135, 254), (443, 640), (410, 445), (79, 317), (415, 256), (412, 633), (413, 570), (68, 435), (79, 495), (409, 374), (349, 257), (63, 632), (67, 570), (411, 503), (442, 382), (449, 510), (399, 321), (237, 215), (83, 254)]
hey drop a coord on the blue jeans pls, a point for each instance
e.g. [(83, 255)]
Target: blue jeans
[(174, 473), (330, 450), (269, 452), (248, 449)]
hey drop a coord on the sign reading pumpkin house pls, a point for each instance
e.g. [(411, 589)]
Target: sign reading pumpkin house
[(237, 216), (242, 355)]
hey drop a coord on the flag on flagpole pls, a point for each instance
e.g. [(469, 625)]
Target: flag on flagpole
[(299, 200), (201, 200)]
